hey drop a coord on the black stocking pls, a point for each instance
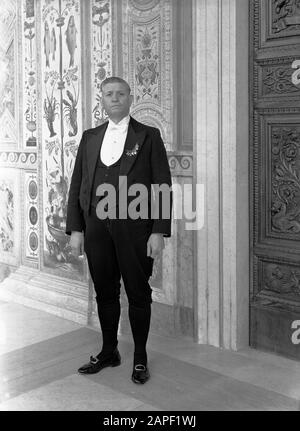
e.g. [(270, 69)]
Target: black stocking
[(139, 318), (109, 315)]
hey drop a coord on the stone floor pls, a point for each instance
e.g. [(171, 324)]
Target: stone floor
[(40, 353)]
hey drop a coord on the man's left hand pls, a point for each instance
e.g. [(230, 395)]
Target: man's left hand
[(155, 244)]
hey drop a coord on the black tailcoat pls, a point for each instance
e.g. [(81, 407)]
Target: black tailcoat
[(148, 165)]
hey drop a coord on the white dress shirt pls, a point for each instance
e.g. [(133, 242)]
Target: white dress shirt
[(114, 141)]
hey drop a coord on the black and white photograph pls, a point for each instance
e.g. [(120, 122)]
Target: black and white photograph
[(149, 209)]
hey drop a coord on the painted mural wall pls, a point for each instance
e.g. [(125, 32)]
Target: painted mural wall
[(9, 193), (54, 54), (61, 126)]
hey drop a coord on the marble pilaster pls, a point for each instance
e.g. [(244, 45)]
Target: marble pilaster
[(221, 160)]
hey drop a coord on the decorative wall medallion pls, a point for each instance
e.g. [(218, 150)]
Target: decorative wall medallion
[(33, 215), (31, 233), (33, 241), (32, 189)]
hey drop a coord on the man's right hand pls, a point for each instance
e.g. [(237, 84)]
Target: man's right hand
[(76, 243)]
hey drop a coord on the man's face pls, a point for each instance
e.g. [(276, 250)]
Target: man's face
[(116, 100)]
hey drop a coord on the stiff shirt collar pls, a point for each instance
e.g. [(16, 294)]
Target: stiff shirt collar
[(121, 125)]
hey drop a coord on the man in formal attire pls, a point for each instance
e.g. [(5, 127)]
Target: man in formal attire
[(120, 153)]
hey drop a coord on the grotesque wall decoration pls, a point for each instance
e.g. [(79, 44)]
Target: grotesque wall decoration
[(8, 120), (147, 62), (30, 78), (101, 53), (61, 125)]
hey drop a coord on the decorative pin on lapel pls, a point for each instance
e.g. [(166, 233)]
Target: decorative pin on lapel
[(134, 151)]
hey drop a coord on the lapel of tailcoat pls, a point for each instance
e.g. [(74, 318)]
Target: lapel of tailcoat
[(135, 139), (133, 145), (94, 144)]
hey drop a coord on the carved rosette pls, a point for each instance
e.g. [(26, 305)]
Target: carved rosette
[(147, 62), (285, 209), (101, 53)]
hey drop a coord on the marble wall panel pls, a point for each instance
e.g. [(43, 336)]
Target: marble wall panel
[(184, 258)]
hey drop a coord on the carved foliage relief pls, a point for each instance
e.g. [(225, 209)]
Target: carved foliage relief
[(8, 132), (285, 17), (277, 80), (147, 62), (285, 210), (61, 104), (275, 160), (101, 53), (281, 280)]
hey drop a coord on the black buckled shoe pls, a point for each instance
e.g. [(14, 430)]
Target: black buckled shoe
[(140, 374), (95, 365)]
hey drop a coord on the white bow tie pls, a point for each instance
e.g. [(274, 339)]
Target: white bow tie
[(120, 128)]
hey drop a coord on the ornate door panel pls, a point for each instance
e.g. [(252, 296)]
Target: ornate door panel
[(275, 176)]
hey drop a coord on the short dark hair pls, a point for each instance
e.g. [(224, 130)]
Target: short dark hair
[(113, 79)]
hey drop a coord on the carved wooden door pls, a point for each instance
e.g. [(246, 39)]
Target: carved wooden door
[(275, 176)]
